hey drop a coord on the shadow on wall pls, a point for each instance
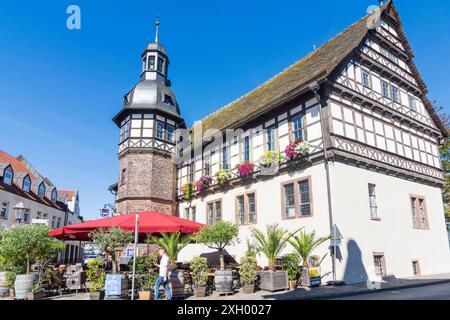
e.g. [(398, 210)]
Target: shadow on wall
[(355, 272)]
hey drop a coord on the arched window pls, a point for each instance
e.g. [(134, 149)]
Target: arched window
[(8, 175), (54, 196), (26, 184), (41, 190)]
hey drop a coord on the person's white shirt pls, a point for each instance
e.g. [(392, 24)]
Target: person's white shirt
[(164, 263)]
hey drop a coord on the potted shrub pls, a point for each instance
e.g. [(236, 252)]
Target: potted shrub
[(203, 183), (304, 244), (245, 169), (217, 236), (199, 275), (291, 265), (223, 176), (145, 275), (173, 243), (247, 272), (96, 278), (271, 244)]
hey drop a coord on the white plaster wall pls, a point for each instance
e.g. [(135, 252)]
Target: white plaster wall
[(394, 234)]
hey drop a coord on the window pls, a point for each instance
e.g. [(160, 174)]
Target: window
[(393, 57), (8, 175), (395, 94), (366, 79), (26, 184), (297, 199), (246, 209), (189, 213), (193, 213), (170, 133), (151, 62), (379, 264), (123, 177), (45, 215), (168, 100), (191, 172), (385, 89), (270, 143), (373, 202), (297, 127), (160, 130), (207, 166), (26, 216), (41, 190), (412, 103), (39, 215), (384, 52), (54, 196), (53, 222), (225, 165), (419, 213), (58, 223), (125, 131), (246, 148), (416, 268), (160, 64), (4, 210), (214, 212)]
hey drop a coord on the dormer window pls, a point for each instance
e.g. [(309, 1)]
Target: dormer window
[(151, 62), (161, 65), (168, 100), (26, 184), (8, 175), (41, 190), (54, 196)]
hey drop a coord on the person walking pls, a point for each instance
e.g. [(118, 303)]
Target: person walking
[(163, 278)]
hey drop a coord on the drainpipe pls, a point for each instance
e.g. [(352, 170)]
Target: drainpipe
[(315, 87)]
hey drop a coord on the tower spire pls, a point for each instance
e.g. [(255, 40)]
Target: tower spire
[(157, 29)]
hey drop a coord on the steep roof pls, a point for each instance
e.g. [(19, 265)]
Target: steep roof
[(16, 165), (318, 65), (69, 193)]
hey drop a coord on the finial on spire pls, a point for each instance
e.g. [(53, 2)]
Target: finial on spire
[(157, 29)]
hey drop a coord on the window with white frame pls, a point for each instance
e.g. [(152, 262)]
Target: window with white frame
[(385, 89), (160, 130), (395, 94), (225, 160), (412, 103), (366, 79), (297, 127), (8, 175), (373, 202), (170, 133), (270, 139), (151, 62), (246, 209), (4, 211), (246, 148)]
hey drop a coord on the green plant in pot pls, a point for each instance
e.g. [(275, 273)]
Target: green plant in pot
[(304, 244), (247, 272), (218, 236), (291, 264), (199, 275), (145, 275), (271, 244), (96, 279)]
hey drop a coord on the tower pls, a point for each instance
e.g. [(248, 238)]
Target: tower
[(147, 122)]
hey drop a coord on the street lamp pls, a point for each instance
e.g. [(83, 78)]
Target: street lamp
[(20, 211)]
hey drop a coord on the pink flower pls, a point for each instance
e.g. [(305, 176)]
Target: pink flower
[(246, 168)]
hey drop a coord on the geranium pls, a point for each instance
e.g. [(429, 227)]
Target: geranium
[(299, 147), (245, 169), (203, 183), (223, 176)]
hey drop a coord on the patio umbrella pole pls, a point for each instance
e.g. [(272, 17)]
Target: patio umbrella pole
[(136, 235)]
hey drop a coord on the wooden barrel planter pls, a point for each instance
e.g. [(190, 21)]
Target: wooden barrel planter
[(4, 284), (24, 285), (177, 283), (223, 281)]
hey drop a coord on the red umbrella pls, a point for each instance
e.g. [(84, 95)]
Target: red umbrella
[(149, 222)]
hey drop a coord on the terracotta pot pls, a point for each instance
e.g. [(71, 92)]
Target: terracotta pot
[(146, 295), (200, 292), (292, 284), (248, 288)]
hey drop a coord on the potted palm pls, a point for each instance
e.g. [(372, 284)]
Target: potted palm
[(173, 243), (247, 272), (218, 236), (304, 244), (96, 278), (291, 265), (271, 244), (199, 275)]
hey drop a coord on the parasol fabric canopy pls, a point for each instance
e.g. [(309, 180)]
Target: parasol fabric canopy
[(149, 222)]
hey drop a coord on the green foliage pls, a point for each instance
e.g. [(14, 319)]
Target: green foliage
[(188, 190), (223, 176), (445, 157), (145, 271), (271, 158), (247, 269), (110, 239), (173, 243), (305, 243), (218, 236), (291, 264), (25, 245), (199, 274), (272, 243), (95, 275)]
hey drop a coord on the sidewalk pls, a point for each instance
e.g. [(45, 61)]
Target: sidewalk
[(325, 292)]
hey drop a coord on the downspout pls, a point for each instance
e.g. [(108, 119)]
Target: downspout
[(315, 87)]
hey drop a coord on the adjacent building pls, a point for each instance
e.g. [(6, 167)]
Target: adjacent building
[(27, 197), (369, 162)]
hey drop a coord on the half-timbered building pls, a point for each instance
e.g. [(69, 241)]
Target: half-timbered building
[(369, 159)]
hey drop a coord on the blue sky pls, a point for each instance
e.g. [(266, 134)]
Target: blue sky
[(59, 89)]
